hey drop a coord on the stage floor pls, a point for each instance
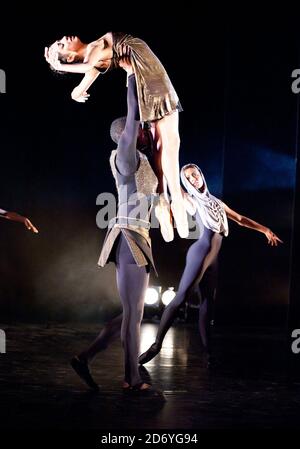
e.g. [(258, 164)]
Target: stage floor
[(247, 387)]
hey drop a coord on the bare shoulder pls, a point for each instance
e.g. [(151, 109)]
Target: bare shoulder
[(106, 40), (100, 44)]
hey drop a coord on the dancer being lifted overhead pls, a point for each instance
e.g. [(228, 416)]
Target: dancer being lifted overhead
[(157, 100)]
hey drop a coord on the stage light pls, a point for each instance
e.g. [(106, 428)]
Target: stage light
[(152, 296), (168, 295)]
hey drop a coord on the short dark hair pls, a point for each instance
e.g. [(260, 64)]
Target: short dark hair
[(63, 60), (116, 128)]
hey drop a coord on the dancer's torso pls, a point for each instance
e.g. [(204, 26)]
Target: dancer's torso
[(135, 192)]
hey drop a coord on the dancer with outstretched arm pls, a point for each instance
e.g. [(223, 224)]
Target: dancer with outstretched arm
[(211, 215)]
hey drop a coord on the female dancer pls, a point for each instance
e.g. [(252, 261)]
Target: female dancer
[(202, 255), (19, 218), (158, 101)]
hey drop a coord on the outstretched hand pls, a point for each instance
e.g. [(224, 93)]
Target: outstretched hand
[(14, 216), (30, 226), (273, 239)]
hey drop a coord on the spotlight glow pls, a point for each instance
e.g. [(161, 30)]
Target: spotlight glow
[(151, 297), (168, 295)]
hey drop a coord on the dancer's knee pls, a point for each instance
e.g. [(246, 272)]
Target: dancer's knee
[(139, 316)]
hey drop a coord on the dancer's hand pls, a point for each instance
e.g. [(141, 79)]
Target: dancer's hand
[(14, 216), (125, 61), (30, 226), (125, 51), (51, 56), (79, 95), (273, 239), (82, 98)]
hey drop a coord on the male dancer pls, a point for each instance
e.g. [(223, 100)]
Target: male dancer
[(128, 245)]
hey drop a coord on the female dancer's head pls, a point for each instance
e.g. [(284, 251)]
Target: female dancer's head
[(193, 175), (68, 49)]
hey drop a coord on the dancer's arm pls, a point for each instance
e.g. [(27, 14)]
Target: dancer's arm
[(126, 153), (14, 216), (80, 92), (94, 58), (51, 56), (273, 239), (96, 54), (82, 67)]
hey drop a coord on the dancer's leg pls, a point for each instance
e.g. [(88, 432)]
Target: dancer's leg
[(167, 130), (109, 333), (199, 257), (132, 284), (80, 363), (162, 209), (208, 293), (193, 268)]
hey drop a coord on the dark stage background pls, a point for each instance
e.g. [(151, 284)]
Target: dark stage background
[(239, 125)]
